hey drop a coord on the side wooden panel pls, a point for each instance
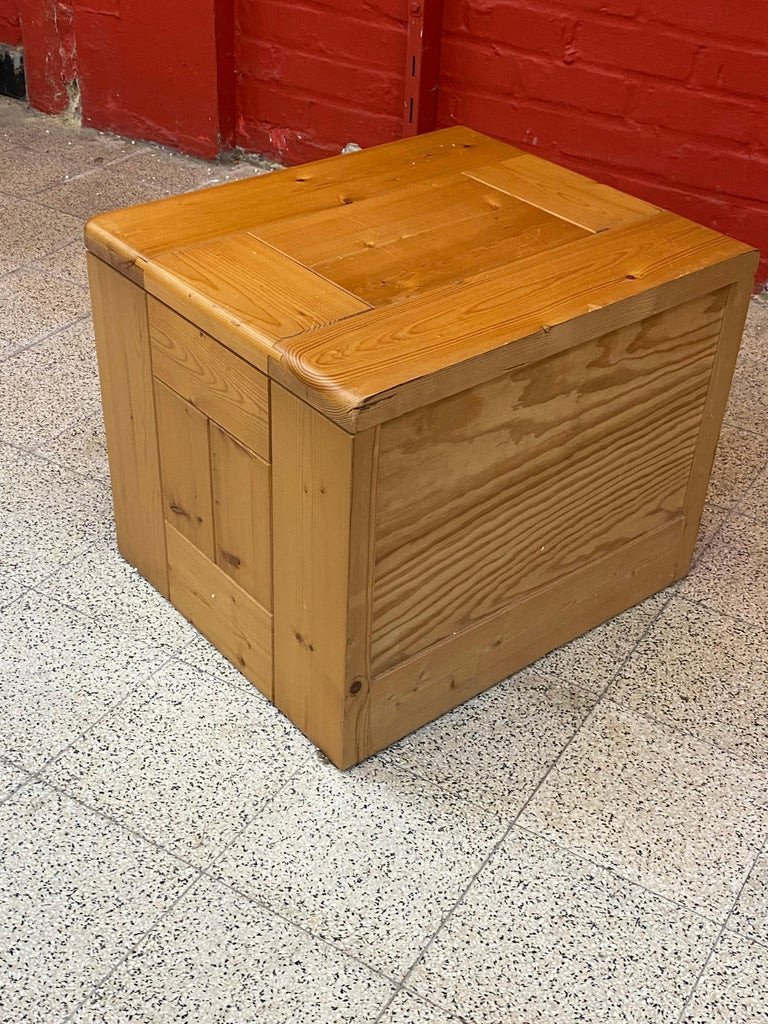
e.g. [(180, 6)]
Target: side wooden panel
[(125, 371), (313, 474), (223, 386), (464, 665), (242, 511), (485, 497), (185, 468), (714, 409), (231, 619)]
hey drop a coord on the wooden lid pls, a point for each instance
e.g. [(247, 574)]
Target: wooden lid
[(377, 281)]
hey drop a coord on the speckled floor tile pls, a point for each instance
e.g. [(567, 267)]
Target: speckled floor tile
[(29, 231), (755, 503), (11, 778), (591, 660), (34, 305), (712, 518), (67, 263), (218, 958), (545, 937), (369, 859), (81, 447), (494, 749), (77, 891), (661, 808), (703, 672), (748, 403), (22, 126), (105, 587), (185, 760), (68, 673), (750, 914), (740, 457), (201, 654), (66, 387), (734, 986), (754, 343), (10, 590), (24, 172), (48, 517), (97, 191), (406, 1008), (168, 171), (731, 576)]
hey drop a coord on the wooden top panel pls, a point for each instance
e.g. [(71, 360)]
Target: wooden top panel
[(391, 247), (376, 281)]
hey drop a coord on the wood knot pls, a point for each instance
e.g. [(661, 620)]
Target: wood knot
[(356, 687), (179, 510)]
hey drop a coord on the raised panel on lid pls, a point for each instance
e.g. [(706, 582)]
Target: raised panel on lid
[(221, 385), (391, 247)]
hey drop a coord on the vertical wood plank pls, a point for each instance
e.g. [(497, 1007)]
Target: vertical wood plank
[(731, 329), (185, 468), (241, 514), (311, 507), (125, 372)]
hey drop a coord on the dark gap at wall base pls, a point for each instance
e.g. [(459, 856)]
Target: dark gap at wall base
[(12, 80)]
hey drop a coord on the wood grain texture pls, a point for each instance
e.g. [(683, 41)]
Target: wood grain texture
[(398, 357), (494, 493), (732, 327), (231, 619), (390, 247), (311, 493), (215, 381), (133, 236), (564, 193), (125, 372), (246, 294), (451, 672), (242, 510), (185, 468)]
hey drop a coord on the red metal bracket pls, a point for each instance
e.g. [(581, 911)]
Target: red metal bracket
[(422, 66)]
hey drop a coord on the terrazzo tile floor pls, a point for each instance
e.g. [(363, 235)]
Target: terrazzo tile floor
[(585, 842)]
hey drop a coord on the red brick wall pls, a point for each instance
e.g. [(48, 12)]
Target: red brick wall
[(668, 100), (10, 29), (313, 75)]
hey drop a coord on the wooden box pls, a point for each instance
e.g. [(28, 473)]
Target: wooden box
[(388, 427)]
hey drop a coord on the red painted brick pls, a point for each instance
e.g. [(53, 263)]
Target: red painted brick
[(726, 19), (623, 44), (512, 23), (733, 70), (698, 113), (10, 23)]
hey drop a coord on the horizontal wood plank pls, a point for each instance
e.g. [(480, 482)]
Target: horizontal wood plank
[(449, 673), (217, 382), (489, 495), (231, 619), (399, 357)]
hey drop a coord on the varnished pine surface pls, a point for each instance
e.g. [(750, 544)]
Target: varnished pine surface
[(460, 243)]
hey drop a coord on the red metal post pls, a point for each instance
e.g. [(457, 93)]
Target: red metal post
[(422, 66)]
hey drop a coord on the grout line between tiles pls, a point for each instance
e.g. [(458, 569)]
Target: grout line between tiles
[(44, 338), (587, 718), (718, 937)]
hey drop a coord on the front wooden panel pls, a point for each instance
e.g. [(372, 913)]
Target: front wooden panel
[(488, 497), (215, 491)]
